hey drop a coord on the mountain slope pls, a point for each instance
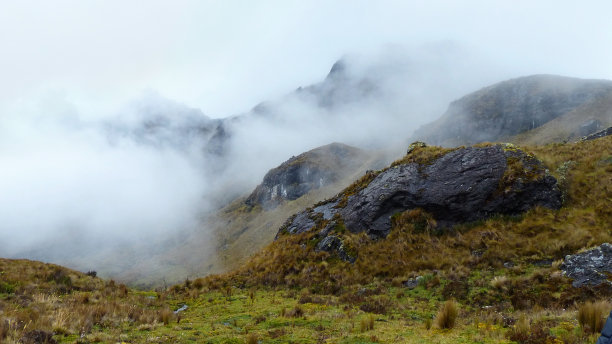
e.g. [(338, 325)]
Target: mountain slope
[(314, 169), (245, 226), (233, 233), (511, 107), (584, 172), (567, 127), (501, 272)]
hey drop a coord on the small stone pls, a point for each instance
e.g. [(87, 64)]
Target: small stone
[(413, 283), (478, 253)]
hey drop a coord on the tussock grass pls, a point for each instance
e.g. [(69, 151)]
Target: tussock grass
[(592, 315), (366, 323), (447, 315), (251, 338), (165, 316)]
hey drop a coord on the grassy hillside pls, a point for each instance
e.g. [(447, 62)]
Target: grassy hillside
[(237, 231), (583, 170), (494, 281)]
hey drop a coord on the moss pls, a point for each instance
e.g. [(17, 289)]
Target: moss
[(424, 156), (340, 228), (520, 168)]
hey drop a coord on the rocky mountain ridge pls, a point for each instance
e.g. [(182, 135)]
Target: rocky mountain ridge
[(512, 107), (311, 170)]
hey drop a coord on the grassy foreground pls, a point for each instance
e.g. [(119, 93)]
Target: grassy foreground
[(111, 313)]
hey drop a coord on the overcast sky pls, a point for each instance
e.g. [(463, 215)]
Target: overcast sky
[(226, 56)]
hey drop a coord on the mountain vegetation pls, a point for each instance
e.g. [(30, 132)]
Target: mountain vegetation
[(462, 244)]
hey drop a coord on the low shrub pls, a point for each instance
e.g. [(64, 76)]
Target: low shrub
[(521, 329), (525, 333), (294, 313), (378, 305), (6, 288)]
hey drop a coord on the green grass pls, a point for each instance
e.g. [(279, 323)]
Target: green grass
[(214, 317)]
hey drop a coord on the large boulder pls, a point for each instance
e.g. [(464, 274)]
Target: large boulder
[(455, 186), (591, 267)]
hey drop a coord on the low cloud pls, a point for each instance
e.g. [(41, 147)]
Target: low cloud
[(81, 188)]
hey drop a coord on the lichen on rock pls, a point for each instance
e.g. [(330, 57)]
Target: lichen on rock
[(591, 267)]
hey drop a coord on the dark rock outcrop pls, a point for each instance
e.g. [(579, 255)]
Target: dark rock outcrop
[(311, 170), (603, 133), (462, 185), (591, 267), (509, 108), (333, 244)]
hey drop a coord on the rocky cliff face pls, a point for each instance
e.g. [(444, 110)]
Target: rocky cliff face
[(511, 107), (454, 186), (311, 170)]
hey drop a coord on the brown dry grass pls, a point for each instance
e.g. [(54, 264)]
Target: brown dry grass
[(592, 316), (251, 338), (366, 323), (54, 299), (447, 315)]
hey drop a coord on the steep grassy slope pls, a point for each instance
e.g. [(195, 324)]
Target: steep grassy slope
[(583, 170), (243, 230)]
